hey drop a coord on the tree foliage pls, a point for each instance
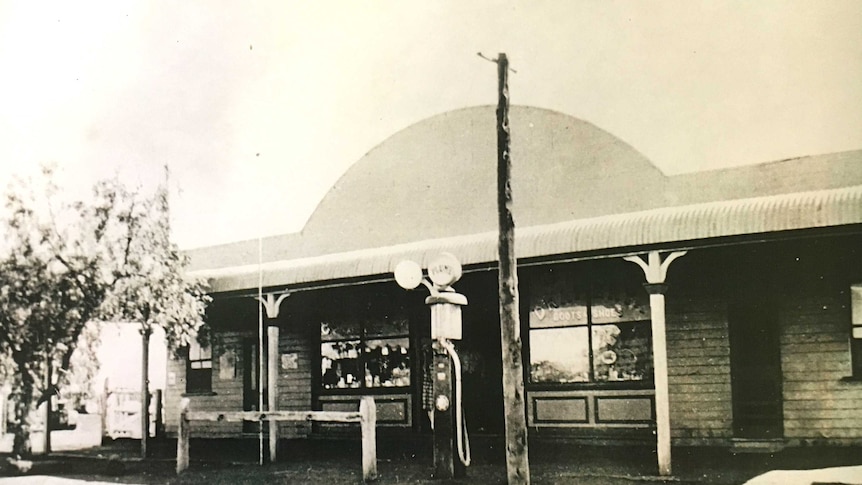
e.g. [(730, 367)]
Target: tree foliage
[(150, 286), (65, 264)]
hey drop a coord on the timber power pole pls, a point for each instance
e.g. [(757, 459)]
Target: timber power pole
[(517, 463)]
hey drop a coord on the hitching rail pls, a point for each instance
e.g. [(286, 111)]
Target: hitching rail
[(366, 417)]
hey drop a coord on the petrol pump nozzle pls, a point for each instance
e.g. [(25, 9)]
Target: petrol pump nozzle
[(462, 438)]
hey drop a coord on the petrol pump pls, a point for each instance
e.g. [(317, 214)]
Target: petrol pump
[(451, 443)]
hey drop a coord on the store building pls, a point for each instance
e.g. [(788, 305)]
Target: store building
[(762, 313)]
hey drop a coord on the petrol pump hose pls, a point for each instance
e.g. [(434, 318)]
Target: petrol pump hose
[(462, 437)]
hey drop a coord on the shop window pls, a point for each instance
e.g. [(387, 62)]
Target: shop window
[(372, 353), (589, 332), (856, 328), (199, 368)]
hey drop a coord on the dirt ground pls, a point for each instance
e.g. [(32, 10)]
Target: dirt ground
[(409, 462)]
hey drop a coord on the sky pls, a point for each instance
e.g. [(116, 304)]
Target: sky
[(257, 108), (119, 354)]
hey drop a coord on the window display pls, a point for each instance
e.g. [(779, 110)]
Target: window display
[(365, 354), (560, 355), (622, 352), (589, 331)]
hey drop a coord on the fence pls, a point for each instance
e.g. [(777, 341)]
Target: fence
[(366, 417), (121, 414)]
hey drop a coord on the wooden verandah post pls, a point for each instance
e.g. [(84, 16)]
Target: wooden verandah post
[(655, 271), (271, 304)]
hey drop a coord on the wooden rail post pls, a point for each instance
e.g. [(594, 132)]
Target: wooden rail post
[(103, 409), (183, 437), (146, 332), (366, 417), (160, 425), (368, 425), (46, 436)]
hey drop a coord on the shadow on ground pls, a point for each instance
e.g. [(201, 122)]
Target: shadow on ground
[(409, 461)]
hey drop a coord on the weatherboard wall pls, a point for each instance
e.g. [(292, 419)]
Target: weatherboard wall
[(294, 384), (822, 400), (808, 281), (698, 369), (226, 394), (294, 377)]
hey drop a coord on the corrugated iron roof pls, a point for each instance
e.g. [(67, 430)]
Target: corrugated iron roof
[(436, 179), (757, 215)]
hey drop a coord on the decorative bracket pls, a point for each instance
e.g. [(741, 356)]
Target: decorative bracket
[(654, 268), (271, 303)]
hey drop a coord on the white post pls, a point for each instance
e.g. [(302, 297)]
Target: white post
[(662, 400), (269, 372), (655, 271), (3, 411), (183, 436), (368, 425), (272, 385)]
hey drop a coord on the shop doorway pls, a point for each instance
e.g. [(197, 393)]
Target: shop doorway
[(755, 368), (250, 382), (481, 356)]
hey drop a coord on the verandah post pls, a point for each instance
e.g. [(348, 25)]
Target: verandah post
[(269, 352), (662, 403), (272, 384), (655, 271), (368, 426), (183, 437)]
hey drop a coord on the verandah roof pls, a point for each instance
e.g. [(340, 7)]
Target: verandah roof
[(747, 216)]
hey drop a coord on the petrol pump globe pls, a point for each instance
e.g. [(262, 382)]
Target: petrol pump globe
[(444, 270), (408, 274)]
